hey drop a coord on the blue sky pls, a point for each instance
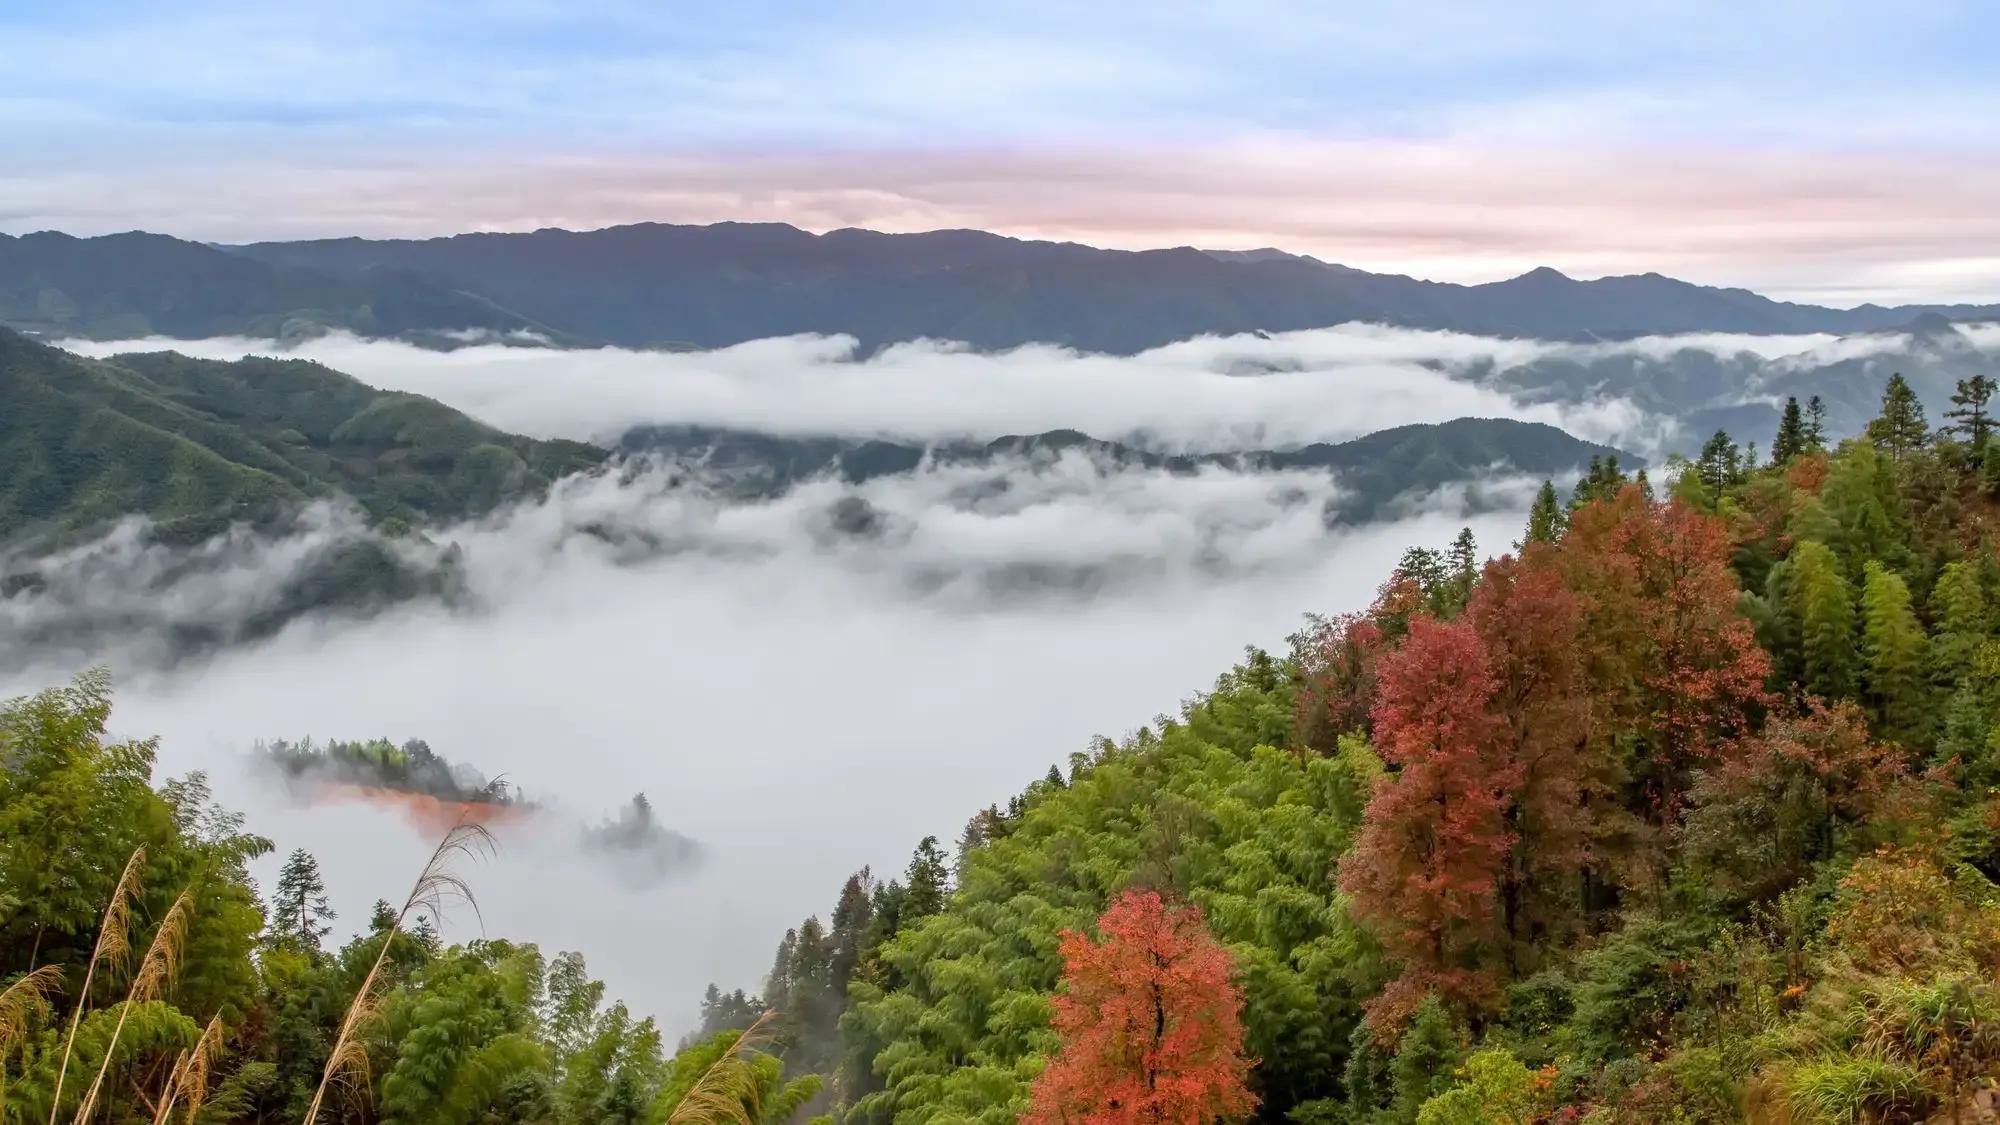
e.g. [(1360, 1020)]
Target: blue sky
[(1833, 150)]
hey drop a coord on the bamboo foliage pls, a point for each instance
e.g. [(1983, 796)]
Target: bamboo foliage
[(156, 972), (436, 887), (113, 940)]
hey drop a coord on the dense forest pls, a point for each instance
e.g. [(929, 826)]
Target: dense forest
[(1681, 809)]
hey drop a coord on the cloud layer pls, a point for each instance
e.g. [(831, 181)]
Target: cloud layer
[(1208, 394), (801, 700)]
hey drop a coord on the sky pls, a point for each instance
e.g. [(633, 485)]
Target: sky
[(1835, 154)]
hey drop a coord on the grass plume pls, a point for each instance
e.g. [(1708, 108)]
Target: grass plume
[(113, 940), (189, 1077), (729, 1091), (25, 1001), (436, 887), (156, 972)]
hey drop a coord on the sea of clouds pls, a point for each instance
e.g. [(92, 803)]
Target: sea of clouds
[(801, 692)]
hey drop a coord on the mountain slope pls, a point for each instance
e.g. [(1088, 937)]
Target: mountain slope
[(131, 285), (196, 444)]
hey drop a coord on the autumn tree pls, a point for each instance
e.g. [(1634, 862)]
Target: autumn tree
[(1673, 663), (1427, 869), (1528, 623), (1150, 1023), (1787, 797)]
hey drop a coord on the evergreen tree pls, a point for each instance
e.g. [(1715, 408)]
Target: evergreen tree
[(1719, 467), (1426, 1060), (849, 931), (1893, 647), (778, 985), (926, 882), (1791, 438), (1823, 616), (1464, 570), (1969, 414), (1900, 429), (1546, 518), (300, 912), (1815, 431), (1645, 486)]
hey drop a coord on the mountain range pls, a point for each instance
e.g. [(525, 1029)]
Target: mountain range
[(662, 285)]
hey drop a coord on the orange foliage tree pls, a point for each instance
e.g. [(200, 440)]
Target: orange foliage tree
[(1150, 1023)]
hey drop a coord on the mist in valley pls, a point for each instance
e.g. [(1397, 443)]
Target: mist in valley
[(807, 683)]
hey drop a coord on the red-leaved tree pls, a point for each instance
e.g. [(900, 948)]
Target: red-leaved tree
[(1427, 868), (1529, 622), (1150, 1024)]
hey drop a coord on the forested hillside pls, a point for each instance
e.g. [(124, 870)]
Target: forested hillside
[(1681, 809), (197, 444)]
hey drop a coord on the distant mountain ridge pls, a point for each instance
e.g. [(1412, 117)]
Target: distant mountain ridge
[(654, 284)]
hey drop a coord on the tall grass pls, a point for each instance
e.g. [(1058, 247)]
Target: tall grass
[(156, 972), (190, 1074), (113, 939), (436, 886), (25, 1001), (729, 1090)]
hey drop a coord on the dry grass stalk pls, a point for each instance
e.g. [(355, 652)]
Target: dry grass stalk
[(436, 886), (156, 971), (728, 1091), (113, 940), (25, 1001), (190, 1074)]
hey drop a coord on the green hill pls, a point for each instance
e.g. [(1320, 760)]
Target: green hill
[(196, 444)]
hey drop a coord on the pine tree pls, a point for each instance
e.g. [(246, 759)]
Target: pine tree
[(1969, 413), (1900, 429), (1791, 439), (1823, 612), (1719, 466), (1546, 518), (300, 912), (1815, 431), (1894, 649)]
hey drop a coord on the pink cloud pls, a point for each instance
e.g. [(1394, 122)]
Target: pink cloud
[(1819, 225)]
